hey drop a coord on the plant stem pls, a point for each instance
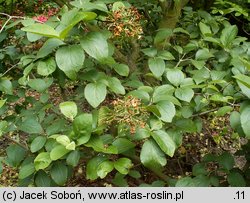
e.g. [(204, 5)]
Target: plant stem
[(171, 12)]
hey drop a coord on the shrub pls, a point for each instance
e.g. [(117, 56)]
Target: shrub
[(83, 86)]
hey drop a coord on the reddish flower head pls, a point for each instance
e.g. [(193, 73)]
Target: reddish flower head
[(41, 18)]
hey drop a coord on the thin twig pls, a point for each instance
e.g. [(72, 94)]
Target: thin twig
[(10, 69), (16, 142), (205, 112), (181, 60), (9, 19), (4, 25), (232, 104), (10, 16)]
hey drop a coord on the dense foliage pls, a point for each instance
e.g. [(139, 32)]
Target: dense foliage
[(120, 87)]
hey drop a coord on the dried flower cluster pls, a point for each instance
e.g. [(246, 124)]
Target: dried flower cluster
[(129, 112), (125, 22), (44, 17)]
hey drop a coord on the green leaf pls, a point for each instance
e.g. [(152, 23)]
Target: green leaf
[(228, 34), (224, 110), (42, 161), (68, 109), (2, 102), (59, 173), (118, 6), (205, 29), (42, 179), (82, 125), (6, 86), (226, 161), (157, 66), (120, 180), (40, 85), (235, 120), (199, 169), (184, 93), (46, 67), (115, 85), (31, 126), (165, 142), (158, 183), (63, 140), (37, 143), (162, 34), (244, 88), (201, 75), (73, 158), (121, 69), (33, 37), (167, 111), (48, 47), (26, 171), (80, 16), (243, 79), (97, 144), (123, 145), (244, 84), (185, 182), (58, 152), (141, 133), (70, 60), (134, 174), (153, 109), (56, 127), (15, 154), (104, 169), (140, 94), (186, 125), (96, 45), (155, 124), (151, 156), (198, 64), (3, 126), (166, 55), (92, 166), (175, 76), (151, 52), (71, 146), (244, 119), (203, 54), (213, 40), (41, 29), (235, 179), (176, 135), (220, 98), (201, 181), (89, 6), (162, 93), (123, 165), (95, 93), (214, 181), (187, 111)]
